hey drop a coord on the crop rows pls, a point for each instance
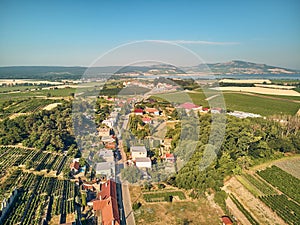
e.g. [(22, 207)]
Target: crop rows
[(288, 210), (35, 193), (26, 105), (284, 181), (37, 159), (243, 210), (260, 185), (11, 156)]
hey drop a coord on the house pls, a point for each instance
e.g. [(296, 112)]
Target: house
[(107, 155), (106, 205), (143, 162), (111, 145), (188, 106), (108, 122), (138, 112), (106, 169), (205, 110), (170, 157), (138, 152), (104, 132), (216, 110), (108, 139), (152, 111), (146, 120), (226, 220), (74, 166)]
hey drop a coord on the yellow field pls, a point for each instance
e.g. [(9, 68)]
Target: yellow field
[(261, 90)]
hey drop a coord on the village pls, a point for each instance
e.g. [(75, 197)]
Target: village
[(133, 137)]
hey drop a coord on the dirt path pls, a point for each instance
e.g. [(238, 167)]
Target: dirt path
[(236, 212), (273, 162), (259, 211)]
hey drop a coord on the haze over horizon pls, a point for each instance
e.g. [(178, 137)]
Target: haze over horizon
[(75, 34)]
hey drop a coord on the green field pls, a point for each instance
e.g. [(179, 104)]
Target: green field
[(259, 105), (66, 92), (241, 102)]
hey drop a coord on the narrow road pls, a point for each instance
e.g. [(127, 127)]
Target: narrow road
[(126, 212)]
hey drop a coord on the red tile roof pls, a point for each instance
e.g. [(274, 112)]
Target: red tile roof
[(146, 119), (226, 220), (188, 105), (138, 111), (169, 155), (108, 204)]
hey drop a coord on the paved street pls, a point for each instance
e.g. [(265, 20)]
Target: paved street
[(126, 212)]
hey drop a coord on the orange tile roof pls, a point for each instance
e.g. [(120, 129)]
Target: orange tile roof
[(108, 204), (151, 110)]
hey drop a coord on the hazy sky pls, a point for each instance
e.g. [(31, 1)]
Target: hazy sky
[(77, 32)]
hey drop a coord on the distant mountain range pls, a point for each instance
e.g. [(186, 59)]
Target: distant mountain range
[(240, 67), (59, 72)]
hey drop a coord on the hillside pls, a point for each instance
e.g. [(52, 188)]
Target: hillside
[(60, 72), (240, 67)]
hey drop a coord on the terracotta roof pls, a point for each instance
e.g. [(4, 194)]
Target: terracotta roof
[(226, 220), (151, 110), (138, 110), (108, 189), (146, 119), (108, 204), (170, 155)]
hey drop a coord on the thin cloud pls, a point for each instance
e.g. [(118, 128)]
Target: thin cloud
[(198, 42)]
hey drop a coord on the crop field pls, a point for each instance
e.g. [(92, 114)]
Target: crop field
[(28, 105), (291, 166), (277, 189), (244, 211), (37, 160), (262, 90), (287, 209), (29, 174), (240, 102), (259, 105), (34, 189), (62, 92), (285, 182)]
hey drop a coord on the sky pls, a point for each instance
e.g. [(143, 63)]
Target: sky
[(75, 33)]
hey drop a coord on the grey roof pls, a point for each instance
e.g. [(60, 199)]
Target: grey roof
[(138, 149), (105, 166), (107, 139), (142, 159), (106, 153)]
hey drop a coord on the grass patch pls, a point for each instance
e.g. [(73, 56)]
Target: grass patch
[(163, 196), (177, 213)]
